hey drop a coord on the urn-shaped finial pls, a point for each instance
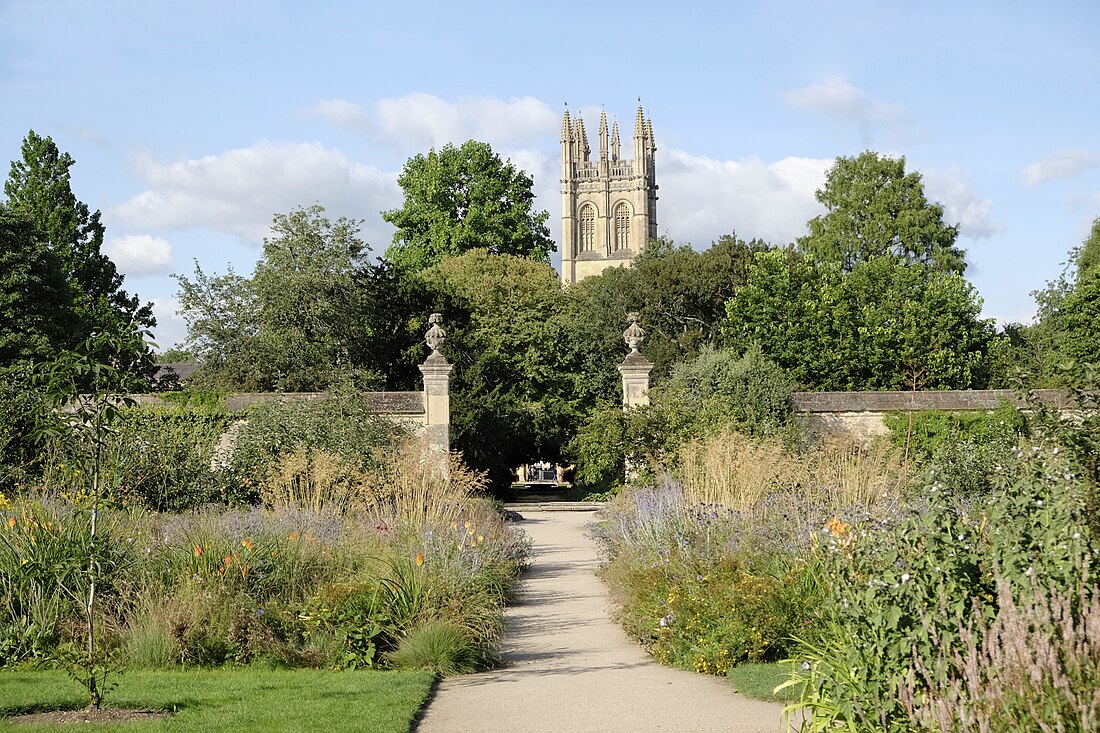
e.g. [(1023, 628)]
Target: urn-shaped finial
[(633, 335), (436, 336)]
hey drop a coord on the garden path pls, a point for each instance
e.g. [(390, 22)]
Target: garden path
[(567, 667)]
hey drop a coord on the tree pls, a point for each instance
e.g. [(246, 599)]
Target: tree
[(680, 294), (222, 330), (1088, 257), (459, 199), (37, 316), (886, 324), (1065, 326), (38, 186), (306, 299), (873, 207), (87, 388), (512, 399), (293, 326)]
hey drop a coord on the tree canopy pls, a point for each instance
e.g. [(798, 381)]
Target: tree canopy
[(293, 326), (39, 186), (464, 198), (873, 207), (37, 318), (886, 324)]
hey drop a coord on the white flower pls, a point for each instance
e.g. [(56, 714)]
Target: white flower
[(905, 577), (1029, 572), (1039, 502)]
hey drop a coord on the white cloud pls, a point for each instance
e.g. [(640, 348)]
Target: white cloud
[(418, 120), (171, 329), (239, 191), (140, 254), (961, 204), (839, 100), (703, 198), (1062, 164)]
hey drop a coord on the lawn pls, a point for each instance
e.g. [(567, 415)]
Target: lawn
[(760, 680), (240, 700)]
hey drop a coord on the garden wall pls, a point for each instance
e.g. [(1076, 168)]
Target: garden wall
[(861, 414)]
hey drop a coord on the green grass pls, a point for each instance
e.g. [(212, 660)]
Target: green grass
[(759, 680), (240, 700)]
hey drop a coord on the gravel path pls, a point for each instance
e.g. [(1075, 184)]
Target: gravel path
[(567, 667)]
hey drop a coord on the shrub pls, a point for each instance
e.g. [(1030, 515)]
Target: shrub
[(966, 448), (703, 586), (340, 425), (441, 646), (1034, 667), (899, 590)]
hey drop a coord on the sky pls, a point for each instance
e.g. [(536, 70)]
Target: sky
[(193, 123)]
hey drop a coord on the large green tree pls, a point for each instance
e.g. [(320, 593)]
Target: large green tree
[(886, 324), (1065, 327), (293, 326), (511, 399), (872, 208), (680, 294), (37, 318), (464, 198), (39, 187)]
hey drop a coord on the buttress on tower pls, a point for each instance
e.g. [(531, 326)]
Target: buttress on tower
[(608, 206)]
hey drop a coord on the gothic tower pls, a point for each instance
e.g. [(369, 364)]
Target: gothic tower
[(608, 206)]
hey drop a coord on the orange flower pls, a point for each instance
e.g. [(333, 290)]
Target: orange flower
[(837, 527), (419, 559), (11, 521), (246, 544), (293, 536), (198, 550), (228, 560)]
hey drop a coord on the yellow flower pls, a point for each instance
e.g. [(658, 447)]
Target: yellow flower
[(247, 545), (419, 559), (293, 536), (481, 538)]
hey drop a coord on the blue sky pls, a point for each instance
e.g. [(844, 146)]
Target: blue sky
[(193, 123)]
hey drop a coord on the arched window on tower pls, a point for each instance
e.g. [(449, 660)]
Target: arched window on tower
[(588, 228), (622, 226)]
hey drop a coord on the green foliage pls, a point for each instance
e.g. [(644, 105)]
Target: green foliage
[(248, 700), (19, 454), (293, 326), (680, 295), (874, 208), (465, 198), (899, 593), (701, 586), (45, 552), (440, 646), (1064, 333), (38, 188), (340, 425), (715, 391), (511, 402), (886, 324), (36, 303), (966, 449)]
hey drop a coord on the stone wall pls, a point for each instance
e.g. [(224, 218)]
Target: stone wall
[(861, 414)]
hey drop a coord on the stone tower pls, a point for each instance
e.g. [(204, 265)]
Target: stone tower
[(608, 206)]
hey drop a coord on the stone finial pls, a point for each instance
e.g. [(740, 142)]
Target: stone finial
[(436, 336), (633, 335)]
